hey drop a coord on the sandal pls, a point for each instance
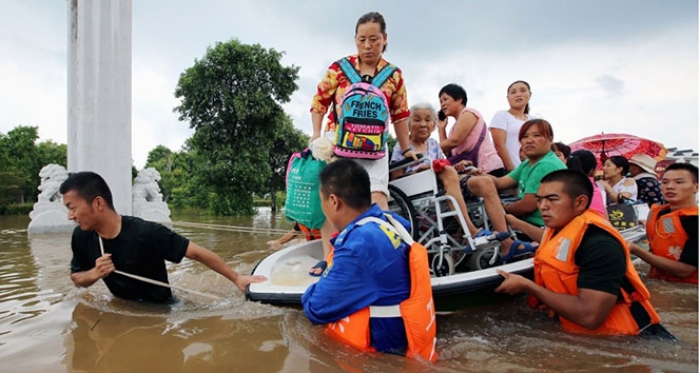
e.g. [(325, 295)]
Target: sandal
[(321, 264), (513, 251), (482, 233)]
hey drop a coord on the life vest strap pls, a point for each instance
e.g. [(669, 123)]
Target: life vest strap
[(639, 313), (396, 227), (393, 225), (384, 311)]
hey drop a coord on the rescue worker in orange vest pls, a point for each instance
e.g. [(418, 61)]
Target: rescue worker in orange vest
[(299, 230), (375, 294), (583, 272), (672, 228)]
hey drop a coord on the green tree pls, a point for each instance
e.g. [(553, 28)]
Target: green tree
[(10, 179), (19, 168), (189, 189), (232, 98), (390, 144), (48, 152), (21, 159), (287, 140)]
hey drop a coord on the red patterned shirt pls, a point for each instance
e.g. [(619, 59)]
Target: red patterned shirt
[(335, 83)]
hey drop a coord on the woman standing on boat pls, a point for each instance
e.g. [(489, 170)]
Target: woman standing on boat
[(617, 186), (505, 125), (371, 42), (371, 67), (468, 139)]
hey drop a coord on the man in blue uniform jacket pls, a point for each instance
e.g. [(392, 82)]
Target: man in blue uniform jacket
[(369, 264)]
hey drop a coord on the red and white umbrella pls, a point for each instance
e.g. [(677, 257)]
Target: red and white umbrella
[(606, 145)]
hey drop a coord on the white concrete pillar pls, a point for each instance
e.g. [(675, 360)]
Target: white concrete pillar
[(99, 93)]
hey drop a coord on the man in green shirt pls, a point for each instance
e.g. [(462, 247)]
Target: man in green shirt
[(536, 138)]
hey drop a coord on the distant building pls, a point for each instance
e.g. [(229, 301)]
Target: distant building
[(685, 155)]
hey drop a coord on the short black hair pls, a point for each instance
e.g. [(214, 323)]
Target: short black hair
[(563, 148), (88, 186), (348, 180), (684, 166), (583, 161), (575, 183), (455, 91)]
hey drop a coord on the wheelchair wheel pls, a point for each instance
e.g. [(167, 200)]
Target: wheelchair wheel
[(442, 263), (400, 204), (479, 259)]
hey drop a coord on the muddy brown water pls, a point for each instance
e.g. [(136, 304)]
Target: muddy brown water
[(48, 325)]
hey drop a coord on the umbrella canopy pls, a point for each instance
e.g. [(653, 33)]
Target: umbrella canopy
[(606, 145)]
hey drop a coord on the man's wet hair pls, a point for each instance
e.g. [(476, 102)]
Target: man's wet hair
[(88, 186), (348, 180), (574, 183), (684, 166)]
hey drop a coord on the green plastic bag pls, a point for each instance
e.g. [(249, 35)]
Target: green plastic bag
[(303, 203)]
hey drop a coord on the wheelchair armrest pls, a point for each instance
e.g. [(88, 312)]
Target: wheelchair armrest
[(405, 163)]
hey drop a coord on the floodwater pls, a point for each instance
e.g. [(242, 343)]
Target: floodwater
[(48, 325)]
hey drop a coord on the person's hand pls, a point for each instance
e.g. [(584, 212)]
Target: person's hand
[(475, 171), (634, 248), (314, 137), (441, 124), (104, 266), (274, 245), (462, 165), (513, 284), (608, 188), (243, 280), (410, 154)]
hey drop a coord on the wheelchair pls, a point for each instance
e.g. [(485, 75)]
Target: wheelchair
[(442, 230)]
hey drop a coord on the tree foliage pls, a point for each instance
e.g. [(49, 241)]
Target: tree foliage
[(21, 159), (179, 182), (391, 143), (232, 98)]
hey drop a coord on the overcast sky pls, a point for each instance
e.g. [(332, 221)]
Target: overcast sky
[(598, 65)]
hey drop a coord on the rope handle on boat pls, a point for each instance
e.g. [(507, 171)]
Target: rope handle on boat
[(154, 282)]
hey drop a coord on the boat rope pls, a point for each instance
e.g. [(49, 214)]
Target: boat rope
[(154, 282)]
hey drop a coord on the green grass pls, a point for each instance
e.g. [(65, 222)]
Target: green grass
[(17, 208)]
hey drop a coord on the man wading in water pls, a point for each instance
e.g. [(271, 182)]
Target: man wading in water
[(105, 242), (583, 271)]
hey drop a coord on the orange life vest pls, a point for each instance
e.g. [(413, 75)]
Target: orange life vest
[(555, 270), (418, 311), (309, 234), (667, 239)]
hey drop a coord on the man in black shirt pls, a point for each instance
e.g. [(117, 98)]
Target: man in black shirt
[(583, 272), (105, 241)]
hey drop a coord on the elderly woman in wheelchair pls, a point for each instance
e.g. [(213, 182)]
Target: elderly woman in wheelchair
[(421, 124), (415, 193)]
